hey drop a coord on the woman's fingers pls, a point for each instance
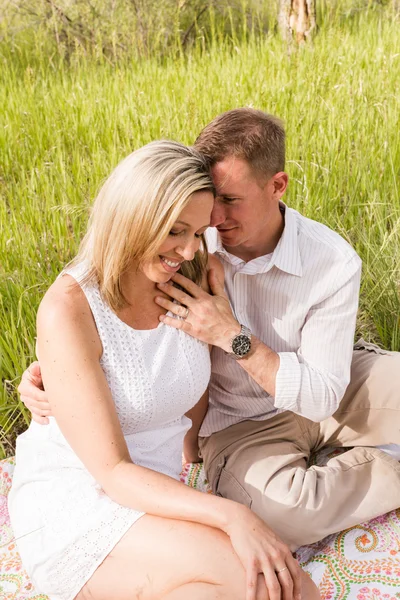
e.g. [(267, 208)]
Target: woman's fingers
[(271, 581), (295, 573), (286, 582), (251, 582)]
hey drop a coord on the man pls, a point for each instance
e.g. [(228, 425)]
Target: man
[(293, 284), (283, 345)]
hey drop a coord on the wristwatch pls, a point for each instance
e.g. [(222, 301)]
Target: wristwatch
[(241, 343)]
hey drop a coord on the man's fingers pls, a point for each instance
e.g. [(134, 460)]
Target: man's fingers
[(29, 384), (176, 309), (39, 408), (40, 412), (34, 370), (189, 285), (29, 391), (33, 374), (176, 323), (40, 420), (172, 291), (37, 404)]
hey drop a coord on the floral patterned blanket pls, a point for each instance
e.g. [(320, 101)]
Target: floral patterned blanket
[(361, 563)]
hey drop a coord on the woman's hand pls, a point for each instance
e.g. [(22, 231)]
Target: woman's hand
[(191, 450), (33, 395), (261, 551)]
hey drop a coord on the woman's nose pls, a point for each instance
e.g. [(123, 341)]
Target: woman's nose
[(189, 249)]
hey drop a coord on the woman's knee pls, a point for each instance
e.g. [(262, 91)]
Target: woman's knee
[(228, 590), (232, 579)]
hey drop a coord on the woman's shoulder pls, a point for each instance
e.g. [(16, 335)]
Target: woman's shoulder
[(212, 263), (64, 302), (65, 319)]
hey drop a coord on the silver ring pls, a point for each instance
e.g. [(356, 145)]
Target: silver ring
[(185, 316), (280, 570)]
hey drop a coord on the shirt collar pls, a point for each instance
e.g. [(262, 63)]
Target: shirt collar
[(286, 255)]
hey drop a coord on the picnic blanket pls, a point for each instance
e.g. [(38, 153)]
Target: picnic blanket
[(360, 563)]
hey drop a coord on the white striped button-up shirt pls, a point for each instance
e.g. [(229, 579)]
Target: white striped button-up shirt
[(301, 301)]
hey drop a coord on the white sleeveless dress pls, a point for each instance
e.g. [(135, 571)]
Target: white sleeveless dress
[(64, 524)]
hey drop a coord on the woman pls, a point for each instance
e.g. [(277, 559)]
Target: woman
[(96, 504)]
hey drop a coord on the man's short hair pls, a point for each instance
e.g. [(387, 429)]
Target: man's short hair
[(245, 133)]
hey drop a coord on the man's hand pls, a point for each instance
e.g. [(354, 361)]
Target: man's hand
[(33, 395), (209, 317)]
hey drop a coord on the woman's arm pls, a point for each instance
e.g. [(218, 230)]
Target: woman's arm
[(191, 441), (198, 412), (81, 401), (214, 265)]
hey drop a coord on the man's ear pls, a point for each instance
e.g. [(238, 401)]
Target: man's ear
[(280, 182)]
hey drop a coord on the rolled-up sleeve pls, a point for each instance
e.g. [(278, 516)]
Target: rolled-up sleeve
[(312, 381)]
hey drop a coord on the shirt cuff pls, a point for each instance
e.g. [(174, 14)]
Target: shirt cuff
[(288, 381)]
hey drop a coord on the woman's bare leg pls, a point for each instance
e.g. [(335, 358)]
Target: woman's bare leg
[(168, 559), (309, 590), (198, 591), (203, 591)]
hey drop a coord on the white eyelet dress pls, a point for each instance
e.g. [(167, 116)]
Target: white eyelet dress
[(64, 524)]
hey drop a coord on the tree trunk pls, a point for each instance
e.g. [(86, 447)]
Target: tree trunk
[(297, 19)]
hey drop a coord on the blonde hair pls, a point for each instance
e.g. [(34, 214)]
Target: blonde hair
[(135, 210)]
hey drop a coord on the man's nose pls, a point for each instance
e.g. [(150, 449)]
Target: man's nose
[(217, 214)]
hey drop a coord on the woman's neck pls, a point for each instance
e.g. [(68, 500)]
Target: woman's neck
[(140, 312), (137, 287)]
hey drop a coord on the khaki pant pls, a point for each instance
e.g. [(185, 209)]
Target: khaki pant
[(263, 464)]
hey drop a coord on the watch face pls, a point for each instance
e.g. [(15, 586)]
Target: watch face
[(241, 345)]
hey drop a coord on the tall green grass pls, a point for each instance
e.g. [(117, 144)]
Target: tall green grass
[(65, 124)]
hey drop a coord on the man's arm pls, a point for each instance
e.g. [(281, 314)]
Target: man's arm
[(311, 381)]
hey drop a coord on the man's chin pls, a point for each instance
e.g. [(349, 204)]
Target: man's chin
[(230, 241), (230, 235)]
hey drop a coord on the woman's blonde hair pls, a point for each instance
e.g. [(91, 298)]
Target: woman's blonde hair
[(135, 211)]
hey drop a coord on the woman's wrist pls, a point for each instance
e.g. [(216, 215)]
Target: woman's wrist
[(232, 512)]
